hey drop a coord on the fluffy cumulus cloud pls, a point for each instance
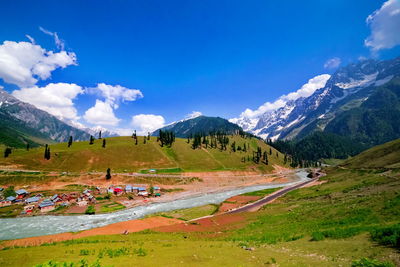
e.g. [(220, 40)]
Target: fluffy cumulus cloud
[(114, 94), (332, 63), (23, 63), (385, 26), (55, 98), (101, 114), (306, 90), (145, 123)]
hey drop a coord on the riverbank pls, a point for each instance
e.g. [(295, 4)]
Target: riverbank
[(45, 225)]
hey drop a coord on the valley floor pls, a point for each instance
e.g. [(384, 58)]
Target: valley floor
[(339, 222)]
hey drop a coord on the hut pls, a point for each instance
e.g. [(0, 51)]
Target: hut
[(32, 200), (46, 205), (29, 209), (21, 193)]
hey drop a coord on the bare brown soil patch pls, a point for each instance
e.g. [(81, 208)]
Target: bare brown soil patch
[(236, 202)]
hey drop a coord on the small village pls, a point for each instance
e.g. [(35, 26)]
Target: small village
[(88, 200)]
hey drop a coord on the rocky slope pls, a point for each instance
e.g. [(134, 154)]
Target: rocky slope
[(23, 123)]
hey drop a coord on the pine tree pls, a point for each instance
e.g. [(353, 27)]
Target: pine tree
[(45, 151), (270, 151), (104, 143), (233, 146), (91, 142), (148, 136), (7, 152), (108, 175), (70, 141), (27, 147), (100, 135)]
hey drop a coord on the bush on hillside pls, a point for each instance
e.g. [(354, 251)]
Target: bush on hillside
[(387, 236)]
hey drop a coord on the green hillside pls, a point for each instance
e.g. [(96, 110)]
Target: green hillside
[(122, 155), (382, 156)]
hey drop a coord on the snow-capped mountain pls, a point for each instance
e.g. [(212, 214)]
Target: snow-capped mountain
[(347, 88), (104, 132)]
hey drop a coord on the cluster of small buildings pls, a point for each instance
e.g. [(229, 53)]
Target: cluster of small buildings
[(33, 202), (47, 204), (138, 190)]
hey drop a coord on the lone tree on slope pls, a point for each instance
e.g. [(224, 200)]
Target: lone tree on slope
[(104, 143), (70, 141), (91, 142), (7, 152), (108, 175)]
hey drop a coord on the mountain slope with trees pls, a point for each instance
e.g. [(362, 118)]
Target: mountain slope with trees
[(376, 121), (200, 124)]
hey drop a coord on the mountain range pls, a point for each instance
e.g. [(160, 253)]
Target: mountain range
[(359, 101), (22, 123)]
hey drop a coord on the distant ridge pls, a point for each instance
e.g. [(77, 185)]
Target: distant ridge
[(200, 124)]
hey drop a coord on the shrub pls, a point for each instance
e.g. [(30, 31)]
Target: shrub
[(365, 262), (388, 236), (90, 210), (317, 236)]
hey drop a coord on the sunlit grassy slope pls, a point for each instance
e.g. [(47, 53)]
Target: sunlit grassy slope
[(382, 156), (121, 154)]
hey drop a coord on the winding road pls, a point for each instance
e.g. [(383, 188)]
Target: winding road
[(258, 204)]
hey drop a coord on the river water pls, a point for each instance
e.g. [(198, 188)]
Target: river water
[(13, 228)]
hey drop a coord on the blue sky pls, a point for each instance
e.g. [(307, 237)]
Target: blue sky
[(216, 57)]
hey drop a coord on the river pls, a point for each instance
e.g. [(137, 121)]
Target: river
[(13, 228)]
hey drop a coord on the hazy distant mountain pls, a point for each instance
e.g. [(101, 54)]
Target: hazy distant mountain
[(200, 124), (22, 123), (359, 101)]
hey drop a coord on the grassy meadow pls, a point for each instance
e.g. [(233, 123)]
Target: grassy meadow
[(122, 155), (341, 222)]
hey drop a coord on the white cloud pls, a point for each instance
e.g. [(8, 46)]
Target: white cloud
[(332, 63), (306, 90), (385, 26), (101, 114), (59, 43), (114, 94), (145, 123), (23, 63), (194, 114), (55, 98)]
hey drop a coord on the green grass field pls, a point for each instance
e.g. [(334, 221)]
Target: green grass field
[(122, 155), (189, 214), (382, 156)]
